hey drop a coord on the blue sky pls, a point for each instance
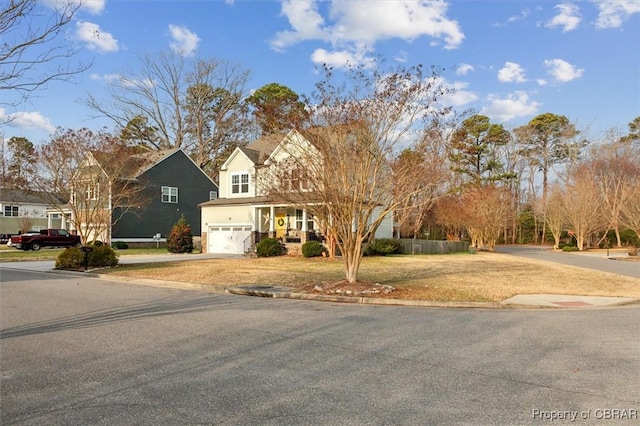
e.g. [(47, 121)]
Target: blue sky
[(509, 60)]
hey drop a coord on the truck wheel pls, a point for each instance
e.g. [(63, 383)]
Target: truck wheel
[(35, 246)]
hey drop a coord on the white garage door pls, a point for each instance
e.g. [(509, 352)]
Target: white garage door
[(228, 239)]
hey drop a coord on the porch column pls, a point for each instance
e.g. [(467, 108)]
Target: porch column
[(49, 220), (272, 221), (63, 221), (305, 229)]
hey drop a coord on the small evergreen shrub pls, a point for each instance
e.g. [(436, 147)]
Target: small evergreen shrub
[(268, 247), (100, 256), (71, 258), (570, 248), (383, 247), (120, 245), (180, 239), (312, 249)]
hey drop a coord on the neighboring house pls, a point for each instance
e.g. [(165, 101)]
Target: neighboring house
[(243, 214), (173, 186), (26, 210)]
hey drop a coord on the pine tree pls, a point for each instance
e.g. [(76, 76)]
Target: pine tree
[(180, 239)]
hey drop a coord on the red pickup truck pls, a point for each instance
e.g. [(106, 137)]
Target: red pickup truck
[(45, 238)]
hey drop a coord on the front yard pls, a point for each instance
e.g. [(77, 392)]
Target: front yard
[(454, 277)]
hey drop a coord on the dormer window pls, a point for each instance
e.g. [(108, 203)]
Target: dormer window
[(240, 183)]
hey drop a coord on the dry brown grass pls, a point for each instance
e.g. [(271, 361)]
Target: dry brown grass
[(462, 277)]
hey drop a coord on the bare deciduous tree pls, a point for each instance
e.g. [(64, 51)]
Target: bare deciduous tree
[(342, 171), (583, 205), (486, 211), (556, 216), (90, 176), (33, 48), (171, 102)]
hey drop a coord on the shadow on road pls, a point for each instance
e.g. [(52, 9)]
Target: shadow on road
[(168, 306)]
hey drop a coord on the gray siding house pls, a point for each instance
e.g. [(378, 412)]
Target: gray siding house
[(176, 186)]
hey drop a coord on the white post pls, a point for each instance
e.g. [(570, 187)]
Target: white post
[(272, 219)]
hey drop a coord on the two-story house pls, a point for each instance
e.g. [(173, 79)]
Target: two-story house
[(170, 185), (243, 211)]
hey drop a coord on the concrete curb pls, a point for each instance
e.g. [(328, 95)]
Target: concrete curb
[(286, 293)]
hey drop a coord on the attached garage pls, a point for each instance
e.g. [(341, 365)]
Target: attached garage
[(227, 239)]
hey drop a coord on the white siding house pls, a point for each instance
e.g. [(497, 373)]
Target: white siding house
[(231, 222)]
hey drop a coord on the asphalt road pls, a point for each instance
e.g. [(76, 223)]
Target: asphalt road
[(597, 260), (82, 351)]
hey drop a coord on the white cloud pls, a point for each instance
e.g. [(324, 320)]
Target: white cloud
[(121, 80), (562, 71), (464, 69), (94, 7), (511, 73), (402, 56), (96, 38), (568, 17), (460, 95), (514, 18), (364, 23), (514, 105), (341, 58), (27, 121), (184, 41), (613, 13)]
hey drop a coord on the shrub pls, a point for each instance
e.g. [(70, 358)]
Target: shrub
[(72, 258), (120, 245), (180, 239), (102, 256), (268, 247), (312, 249), (99, 257), (570, 248), (383, 247)]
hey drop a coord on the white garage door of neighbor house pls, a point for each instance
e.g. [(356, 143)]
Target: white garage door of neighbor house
[(228, 239)]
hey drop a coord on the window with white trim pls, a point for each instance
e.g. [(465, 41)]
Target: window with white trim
[(92, 190), (213, 195), (11, 211), (169, 194), (240, 183)]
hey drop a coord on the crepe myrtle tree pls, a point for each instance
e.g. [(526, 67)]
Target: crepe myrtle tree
[(91, 176), (341, 170)]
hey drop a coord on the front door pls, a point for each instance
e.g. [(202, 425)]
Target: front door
[(281, 223)]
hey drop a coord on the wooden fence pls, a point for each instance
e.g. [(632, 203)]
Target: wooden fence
[(412, 246)]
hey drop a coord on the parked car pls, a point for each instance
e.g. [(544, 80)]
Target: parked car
[(45, 238), (5, 238)]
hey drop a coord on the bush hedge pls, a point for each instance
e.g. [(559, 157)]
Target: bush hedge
[(120, 245), (100, 256), (268, 247), (570, 248), (312, 249), (383, 247)]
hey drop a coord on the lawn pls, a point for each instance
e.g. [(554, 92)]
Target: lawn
[(457, 277), (11, 254)]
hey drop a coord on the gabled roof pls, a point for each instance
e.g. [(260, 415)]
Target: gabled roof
[(27, 197), (259, 150), (138, 163)]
